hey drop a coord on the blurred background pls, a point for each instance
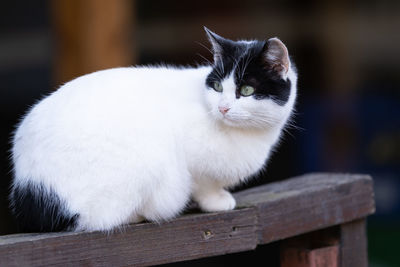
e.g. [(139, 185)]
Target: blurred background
[(347, 54)]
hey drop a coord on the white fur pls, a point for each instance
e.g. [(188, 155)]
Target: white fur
[(125, 144)]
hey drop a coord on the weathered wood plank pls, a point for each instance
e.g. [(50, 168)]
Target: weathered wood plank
[(265, 214), (308, 203), (318, 248), (353, 244), (188, 237), (301, 257)]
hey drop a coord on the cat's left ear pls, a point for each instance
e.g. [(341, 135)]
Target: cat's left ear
[(276, 56), (217, 43)]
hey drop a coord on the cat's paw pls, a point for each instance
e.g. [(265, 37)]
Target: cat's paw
[(217, 201)]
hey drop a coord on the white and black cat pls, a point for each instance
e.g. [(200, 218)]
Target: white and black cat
[(122, 145)]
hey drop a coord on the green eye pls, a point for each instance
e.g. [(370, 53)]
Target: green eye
[(218, 86), (247, 90)]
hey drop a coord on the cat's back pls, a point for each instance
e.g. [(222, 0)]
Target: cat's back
[(140, 80), (134, 83), (110, 102), (118, 94), (105, 110)]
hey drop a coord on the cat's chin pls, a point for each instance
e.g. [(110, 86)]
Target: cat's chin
[(230, 123), (243, 124)]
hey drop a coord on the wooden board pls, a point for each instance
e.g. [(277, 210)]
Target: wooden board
[(318, 248), (353, 241), (188, 237), (308, 203), (265, 214), (299, 257)]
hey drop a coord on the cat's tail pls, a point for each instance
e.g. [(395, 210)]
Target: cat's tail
[(39, 209)]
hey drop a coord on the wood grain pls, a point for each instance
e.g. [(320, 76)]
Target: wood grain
[(264, 214), (188, 237), (308, 203), (300, 257), (353, 244), (318, 248)]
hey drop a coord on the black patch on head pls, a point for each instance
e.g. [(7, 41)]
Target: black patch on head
[(250, 68), (231, 52), (39, 209)]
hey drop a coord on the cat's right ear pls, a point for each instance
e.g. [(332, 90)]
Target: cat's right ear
[(276, 56), (217, 43)]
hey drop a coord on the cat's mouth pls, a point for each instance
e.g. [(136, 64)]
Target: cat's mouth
[(245, 122), (229, 120)]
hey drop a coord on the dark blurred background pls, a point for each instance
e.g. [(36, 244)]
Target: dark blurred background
[(347, 54)]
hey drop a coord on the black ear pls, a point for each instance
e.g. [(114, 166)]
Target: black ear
[(276, 56), (217, 43)]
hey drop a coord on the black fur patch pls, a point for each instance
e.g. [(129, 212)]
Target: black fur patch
[(39, 209), (250, 68)]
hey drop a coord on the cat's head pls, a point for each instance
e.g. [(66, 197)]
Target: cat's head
[(252, 83)]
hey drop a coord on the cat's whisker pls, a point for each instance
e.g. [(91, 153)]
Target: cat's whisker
[(242, 69), (291, 125), (208, 49), (219, 71), (220, 64), (220, 76), (235, 60), (248, 60), (207, 60), (287, 131), (236, 64), (223, 66)]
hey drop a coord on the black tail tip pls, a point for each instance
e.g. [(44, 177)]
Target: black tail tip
[(38, 208)]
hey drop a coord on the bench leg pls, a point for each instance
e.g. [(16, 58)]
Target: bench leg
[(353, 244), (320, 248), (344, 245)]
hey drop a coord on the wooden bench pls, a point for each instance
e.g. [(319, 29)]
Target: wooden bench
[(318, 219)]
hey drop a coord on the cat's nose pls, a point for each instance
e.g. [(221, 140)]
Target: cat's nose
[(223, 110)]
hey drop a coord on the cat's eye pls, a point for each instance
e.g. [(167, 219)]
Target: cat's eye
[(218, 86), (247, 90)]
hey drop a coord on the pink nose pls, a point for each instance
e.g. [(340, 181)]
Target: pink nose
[(223, 110)]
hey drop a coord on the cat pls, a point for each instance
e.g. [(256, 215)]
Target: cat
[(124, 145)]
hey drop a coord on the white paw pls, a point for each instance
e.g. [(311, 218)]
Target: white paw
[(217, 201), (136, 218)]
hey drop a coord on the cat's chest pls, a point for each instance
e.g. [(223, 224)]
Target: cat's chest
[(227, 155)]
